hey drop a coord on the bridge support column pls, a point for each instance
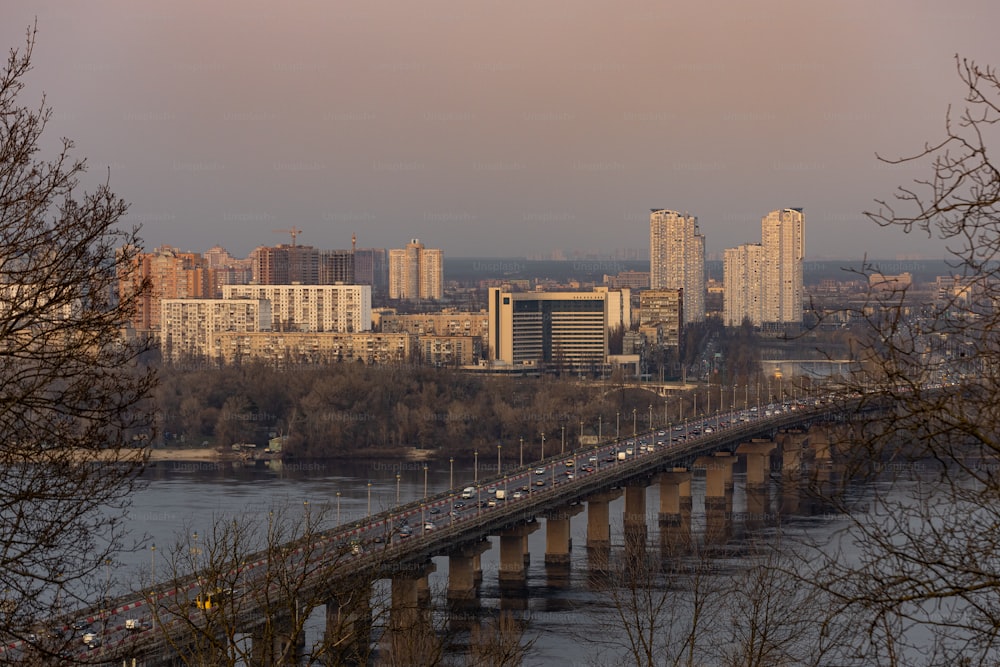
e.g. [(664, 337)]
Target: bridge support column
[(757, 455), (409, 635), (463, 587), (557, 534), (634, 518), (598, 519), (675, 510), (718, 477), (512, 541), (718, 495), (277, 642), (790, 446), (349, 626)]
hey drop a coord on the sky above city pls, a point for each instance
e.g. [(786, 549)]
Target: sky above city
[(490, 128)]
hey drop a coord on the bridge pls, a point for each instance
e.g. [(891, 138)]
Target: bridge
[(212, 611)]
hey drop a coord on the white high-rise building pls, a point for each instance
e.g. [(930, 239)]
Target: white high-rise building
[(677, 259), (416, 272), (783, 240), (743, 282), (312, 308)]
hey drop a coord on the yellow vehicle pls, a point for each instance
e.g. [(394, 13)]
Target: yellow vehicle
[(209, 600)]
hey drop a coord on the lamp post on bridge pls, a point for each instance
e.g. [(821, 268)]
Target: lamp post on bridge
[(562, 450), (521, 463), (599, 425), (618, 422), (369, 497), (543, 446), (338, 502), (475, 472), (425, 481), (398, 477), (650, 416), (451, 472), (152, 567), (635, 430), (498, 458)]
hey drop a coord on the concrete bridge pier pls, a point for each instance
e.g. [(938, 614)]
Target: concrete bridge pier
[(409, 632), (598, 519), (277, 642), (675, 510), (463, 586), (349, 626), (790, 445), (557, 534), (512, 544), (718, 495), (718, 478), (757, 454), (634, 517)]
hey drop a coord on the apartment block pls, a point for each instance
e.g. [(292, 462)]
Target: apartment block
[(743, 276), (312, 308), (283, 349), (677, 258), (783, 240), (189, 326), (416, 273)]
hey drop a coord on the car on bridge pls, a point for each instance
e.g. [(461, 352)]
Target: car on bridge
[(539, 471)]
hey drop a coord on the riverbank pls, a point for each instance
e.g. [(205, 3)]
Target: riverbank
[(209, 454)]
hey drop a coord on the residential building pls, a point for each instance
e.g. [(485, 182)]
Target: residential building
[(743, 269), (677, 259), (555, 330), (285, 264), (448, 322), (188, 326), (783, 241), (172, 275), (312, 308), (295, 348), (662, 311), (371, 268), (416, 273)]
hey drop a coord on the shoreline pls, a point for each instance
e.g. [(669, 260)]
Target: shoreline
[(210, 455)]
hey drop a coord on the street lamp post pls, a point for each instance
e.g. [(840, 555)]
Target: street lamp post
[(369, 497), (618, 422), (425, 480), (600, 435), (475, 471), (451, 472), (398, 477), (338, 502), (498, 458), (543, 446), (732, 406), (521, 460), (152, 566), (650, 416), (562, 450), (635, 430)]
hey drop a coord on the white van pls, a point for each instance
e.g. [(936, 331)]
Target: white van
[(469, 492)]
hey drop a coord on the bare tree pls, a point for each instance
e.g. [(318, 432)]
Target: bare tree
[(922, 576), (249, 592), (71, 393)]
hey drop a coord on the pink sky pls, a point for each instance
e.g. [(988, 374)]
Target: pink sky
[(501, 128)]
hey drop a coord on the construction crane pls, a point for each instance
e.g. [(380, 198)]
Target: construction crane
[(294, 231)]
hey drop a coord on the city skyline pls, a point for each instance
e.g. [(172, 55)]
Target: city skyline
[(501, 131)]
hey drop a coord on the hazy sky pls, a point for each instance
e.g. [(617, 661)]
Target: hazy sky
[(491, 128)]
